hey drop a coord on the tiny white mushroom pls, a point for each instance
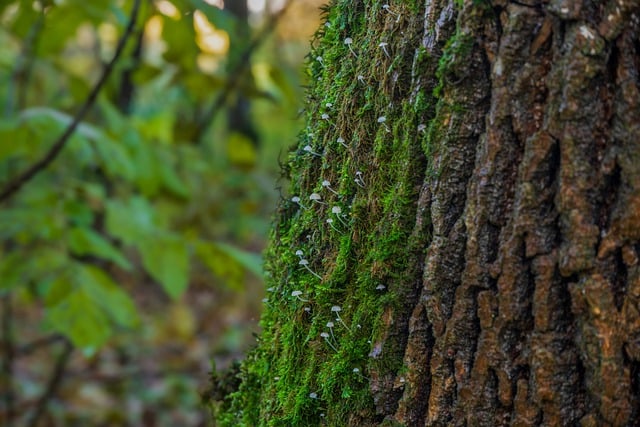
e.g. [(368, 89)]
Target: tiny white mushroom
[(380, 287), (383, 121), (348, 41), (337, 309), (357, 372), (340, 140), (315, 197), (330, 325), (296, 200), (303, 262), (337, 211), (361, 79), (313, 395), (330, 222), (325, 336), (358, 179), (383, 46), (297, 294), (422, 127), (326, 184), (387, 8), (299, 253), (309, 150)]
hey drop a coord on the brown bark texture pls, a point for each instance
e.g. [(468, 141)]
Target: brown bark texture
[(492, 178), (528, 312)]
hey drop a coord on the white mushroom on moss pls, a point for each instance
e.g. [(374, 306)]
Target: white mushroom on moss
[(330, 325), (337, 211), (309, 149), (296, 294), (315, 197), (326, 184), (330, 222), (359, 180), (340, 141), (383, 121), (337, 309), (303, 262), (387, 8), (296, 200), (349, 41), (383, 46), (325, 336)]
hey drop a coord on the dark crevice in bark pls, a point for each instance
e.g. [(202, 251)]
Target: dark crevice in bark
[(634, 371)]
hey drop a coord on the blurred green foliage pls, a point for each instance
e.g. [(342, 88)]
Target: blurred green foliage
[(151, 185)]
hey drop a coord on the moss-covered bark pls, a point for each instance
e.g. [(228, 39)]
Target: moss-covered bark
[(480, 229)]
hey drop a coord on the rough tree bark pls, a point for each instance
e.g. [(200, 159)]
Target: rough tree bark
[(483, 169)]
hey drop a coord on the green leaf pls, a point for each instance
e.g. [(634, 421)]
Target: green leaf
[(170, 179), (166, 258), (12, 136), (129, 221), (108, 295), (85, 241), (145, 166), (250, 260), (220, 264), (56, 290), (13, 270), (76, 317), (78, 212)]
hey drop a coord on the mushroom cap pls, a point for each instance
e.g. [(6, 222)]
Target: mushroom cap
[(330, 325), (296, 293), (336, 210), (315, 196), (303, 262), (295, 199), (348, 40), (299, 253), (336, 308)]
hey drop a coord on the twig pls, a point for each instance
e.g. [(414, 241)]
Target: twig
[(7, 359), (236, 74), (52, 387), (31, 347), (55, 149)]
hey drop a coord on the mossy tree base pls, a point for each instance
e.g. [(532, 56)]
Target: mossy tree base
[(470, 252)]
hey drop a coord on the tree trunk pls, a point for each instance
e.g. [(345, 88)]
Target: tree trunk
[(485, 259)]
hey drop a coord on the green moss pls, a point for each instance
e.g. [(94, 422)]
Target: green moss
[(294, 377)]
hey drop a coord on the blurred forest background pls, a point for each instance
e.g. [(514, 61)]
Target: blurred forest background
[(130, 264)]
